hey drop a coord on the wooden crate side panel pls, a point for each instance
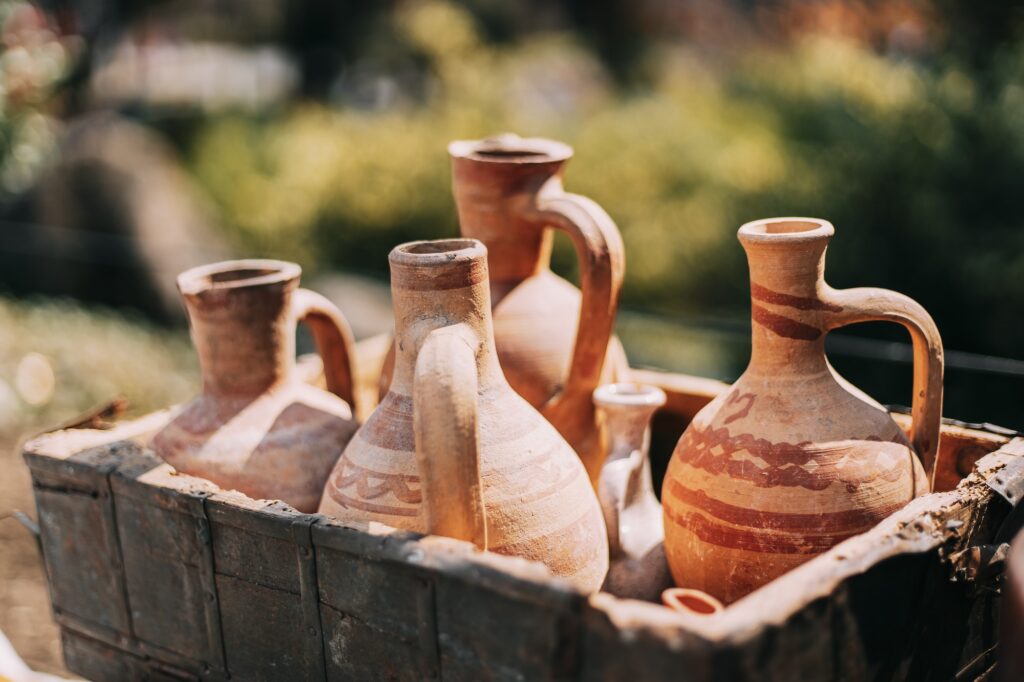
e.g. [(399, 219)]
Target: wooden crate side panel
[(378, 615), (95, 660), (483, 634), (384, 595), (163, 562), (267, 589), (358, 651), (82, 561), (246, 550), (618, 642), (265, 637), (879, 615)]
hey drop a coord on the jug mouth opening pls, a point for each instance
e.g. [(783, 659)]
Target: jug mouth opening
[(691, 601), (511, 149), (237, 274), (437, 251), (629, 394), (786, 230)]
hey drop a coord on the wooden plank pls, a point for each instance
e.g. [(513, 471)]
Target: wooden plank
[(168, 562), (78, 537), (264, 634), (378, 583), (267, 588), (503, 617), (252, 545), (95, 660), (357, 651)]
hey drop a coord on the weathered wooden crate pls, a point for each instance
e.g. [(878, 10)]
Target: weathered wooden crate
[(155, 575)]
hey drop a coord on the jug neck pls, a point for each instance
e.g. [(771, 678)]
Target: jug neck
[(497, 183), (625, 412), (437, 284), (788, 312), (241, 324)]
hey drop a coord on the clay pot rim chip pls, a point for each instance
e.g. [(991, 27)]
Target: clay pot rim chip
[(628, 393), (509, 148), (431, 252), (786, 229), (264, 271)]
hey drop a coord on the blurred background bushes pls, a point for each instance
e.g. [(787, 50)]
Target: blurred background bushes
[(317, 132), (914, 155)]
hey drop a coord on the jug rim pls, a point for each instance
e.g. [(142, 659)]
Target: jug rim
[(237, 274), (437, 251), (786, 229), (629, 393), (509, 148)]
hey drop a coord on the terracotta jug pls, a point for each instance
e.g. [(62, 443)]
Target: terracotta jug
[(256, 427), (793, 459), (451, 449), (638, 568), (555, 342)]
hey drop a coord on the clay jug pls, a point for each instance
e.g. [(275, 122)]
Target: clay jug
[(638, 568), (451, 449), (555, 342), (793, 459), (256, 427)]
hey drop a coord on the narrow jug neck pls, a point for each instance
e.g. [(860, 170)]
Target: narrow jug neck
[(437, 284), (788, 311)]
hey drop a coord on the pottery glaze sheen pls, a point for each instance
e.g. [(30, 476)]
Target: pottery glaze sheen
[(793, 459), (555, 342), (256, 427), (452, 449)]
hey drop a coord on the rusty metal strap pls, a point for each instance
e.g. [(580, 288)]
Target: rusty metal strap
[(208, 583), (316, 662)]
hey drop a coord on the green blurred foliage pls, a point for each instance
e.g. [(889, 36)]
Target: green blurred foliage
[(59, 359), (33, 60), (917, 162)]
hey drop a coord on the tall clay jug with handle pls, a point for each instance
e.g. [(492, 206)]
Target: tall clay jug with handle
[(554, 342), (793, 459), (452, 449), (257, 427)]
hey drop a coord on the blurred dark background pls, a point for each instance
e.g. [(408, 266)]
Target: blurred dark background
[(139, 138)]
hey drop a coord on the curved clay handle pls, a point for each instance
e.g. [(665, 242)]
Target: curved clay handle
[(333, 339), (445, 424), (602, 265), (867, 304)]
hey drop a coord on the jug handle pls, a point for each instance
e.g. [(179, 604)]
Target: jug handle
[(601, 256), (333, 338), (447, 441), (868, 304)]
